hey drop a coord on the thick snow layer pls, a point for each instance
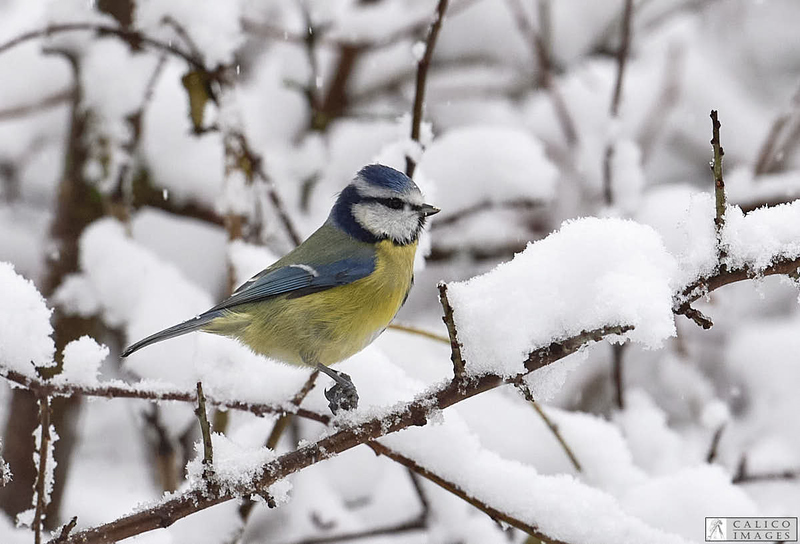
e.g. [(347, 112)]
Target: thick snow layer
[(554, 504), (479, 164), (82, 358), (753, 240), (590, 274), (25, 329)]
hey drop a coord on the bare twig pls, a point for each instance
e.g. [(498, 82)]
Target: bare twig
[(402, 416), (617, 362), (528, 394), (50, 101), (462, 493), (417, 523), (784, 475), (526, 204), (719, 184), (539, 40), (205, 430), (419, 332), (773, 147), (681, 302), (422, 77), (713, 449), (41, 478), (459, 365), (622, 58), (139, 392), (66, 530), (131, 37)]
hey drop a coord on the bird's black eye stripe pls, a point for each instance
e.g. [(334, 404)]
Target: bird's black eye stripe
[(393, 203)]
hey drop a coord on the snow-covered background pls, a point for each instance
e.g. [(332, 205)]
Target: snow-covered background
[(125, 208)]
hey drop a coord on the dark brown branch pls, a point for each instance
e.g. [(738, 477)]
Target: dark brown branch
[(541, 52), (132, 392), (713, 449), (132, 37), (622, 60), (51, 101), (528, 394), (459, 365), (453, 488), (41, 483), (617, 362), (413, 413), (66, 530), (422, 77), (205, 431), (719, 184), (701, 287), (784, 475), (622, 56)]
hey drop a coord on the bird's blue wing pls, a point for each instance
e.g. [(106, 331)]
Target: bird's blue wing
[(299, 280)]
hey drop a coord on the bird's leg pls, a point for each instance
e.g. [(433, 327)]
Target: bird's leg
[(343, 394)]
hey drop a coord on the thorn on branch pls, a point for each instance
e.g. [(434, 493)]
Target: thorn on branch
[(422, 76), (459, 365), (205, 429)]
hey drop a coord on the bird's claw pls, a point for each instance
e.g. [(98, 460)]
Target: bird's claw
[(342, 395)]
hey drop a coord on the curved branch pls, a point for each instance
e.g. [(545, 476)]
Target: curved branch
[(132, 37), (412, 413)]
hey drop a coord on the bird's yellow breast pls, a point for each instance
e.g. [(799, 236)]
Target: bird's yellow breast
[(331, 325)]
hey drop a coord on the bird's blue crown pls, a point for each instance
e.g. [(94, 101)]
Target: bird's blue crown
[(386, 177)]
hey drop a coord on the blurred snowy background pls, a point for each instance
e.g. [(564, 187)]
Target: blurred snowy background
[(156, 153)]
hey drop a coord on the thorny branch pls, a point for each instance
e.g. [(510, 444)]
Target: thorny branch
[(422, 77)]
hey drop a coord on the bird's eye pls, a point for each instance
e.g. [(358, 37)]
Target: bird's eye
[(395, 203)]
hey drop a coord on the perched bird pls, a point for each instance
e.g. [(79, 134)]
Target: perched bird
[(336, 292)]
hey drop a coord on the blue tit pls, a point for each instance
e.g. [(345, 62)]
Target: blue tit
[(336, 292)]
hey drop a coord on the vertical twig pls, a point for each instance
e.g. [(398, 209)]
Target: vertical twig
[(617, 360), (41, 478), (422, 75), (713, 450), (455, 346), (205, 429), (246, 508), (528, 394), (622, 58), (774, 146), (540, 41), (719, 184)]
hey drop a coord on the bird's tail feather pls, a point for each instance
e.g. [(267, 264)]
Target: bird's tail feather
[(194, 324)]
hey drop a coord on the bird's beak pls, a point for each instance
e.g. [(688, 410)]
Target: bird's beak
[(427, 209)]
